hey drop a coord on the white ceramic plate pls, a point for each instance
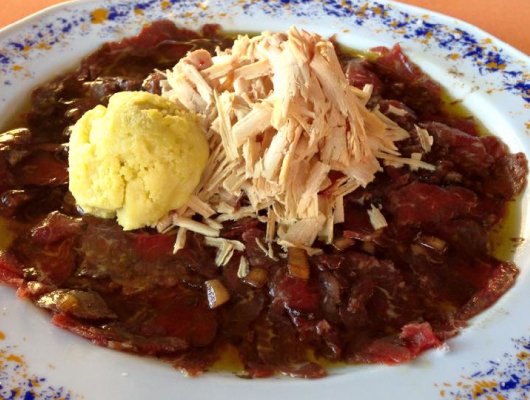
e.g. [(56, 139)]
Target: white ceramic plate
[(40, 361)]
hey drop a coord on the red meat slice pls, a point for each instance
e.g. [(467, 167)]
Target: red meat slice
[(406, 121), (406, 80), (6, 178), (256, 256), (390, 351), (419, 203), (187, 318), (158, 322), (466, 235), (51, 263), (419, 337), (359, 74), (78, 304), (277, 342), (395, 62), (152, 247), (494, 147), (502, 279), (508, 176), (234, 229), (155, 34), (414, 340), (42, 169), (10, 270), (299, 294), (463, 124), (54, 227), (11, 201), (118, 339), (463, 149)]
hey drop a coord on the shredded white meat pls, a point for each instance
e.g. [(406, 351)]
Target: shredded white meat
[(426, 140), (282, 123), (243, 269), (377, 219)]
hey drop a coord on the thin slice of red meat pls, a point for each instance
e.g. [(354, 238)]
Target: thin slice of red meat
[(357, 223), (420, 203), (154, 34), (234, 229), (508, 176), (152, 247), (464, 124), (419, 337), (256, 257), (237, 320), (184, 317), (406, 121), (405, 81), (494, 147), (156, 322), (6, 177), (277, 342), (78, 304), (98, 244), (116, 338), (195, 361), (466, 235), (51, 263), (359, 74), (390, 351), (299, 294), (42, 169), (502, 279), (12, 201), (463, 149), (11, 271), (54, 227), (360, 293), (13, 148), (146, 260)]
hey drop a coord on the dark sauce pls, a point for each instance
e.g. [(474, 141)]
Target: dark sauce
[(381, 297)]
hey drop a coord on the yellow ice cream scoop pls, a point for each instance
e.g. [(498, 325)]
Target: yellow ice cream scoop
[(136, 159)]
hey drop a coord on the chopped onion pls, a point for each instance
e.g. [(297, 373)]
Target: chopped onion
[(216, 292), (433, 243), (343, 243), (369, 247), (298, 263), (257, 277), (430, 255)]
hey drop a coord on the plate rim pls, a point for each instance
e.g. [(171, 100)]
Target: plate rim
[(12, 28)]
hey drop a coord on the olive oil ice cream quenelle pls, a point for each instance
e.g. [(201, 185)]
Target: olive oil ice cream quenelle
[(136, 159)]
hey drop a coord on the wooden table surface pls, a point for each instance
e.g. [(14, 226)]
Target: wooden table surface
[(509, 20)]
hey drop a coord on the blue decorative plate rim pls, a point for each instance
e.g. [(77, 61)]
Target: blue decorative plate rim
[(510, 375)]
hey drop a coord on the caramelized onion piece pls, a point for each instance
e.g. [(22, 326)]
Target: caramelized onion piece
[(343, 243), (216, 292), (298, 263), (368, 247), (257, 277), (432, 243)]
